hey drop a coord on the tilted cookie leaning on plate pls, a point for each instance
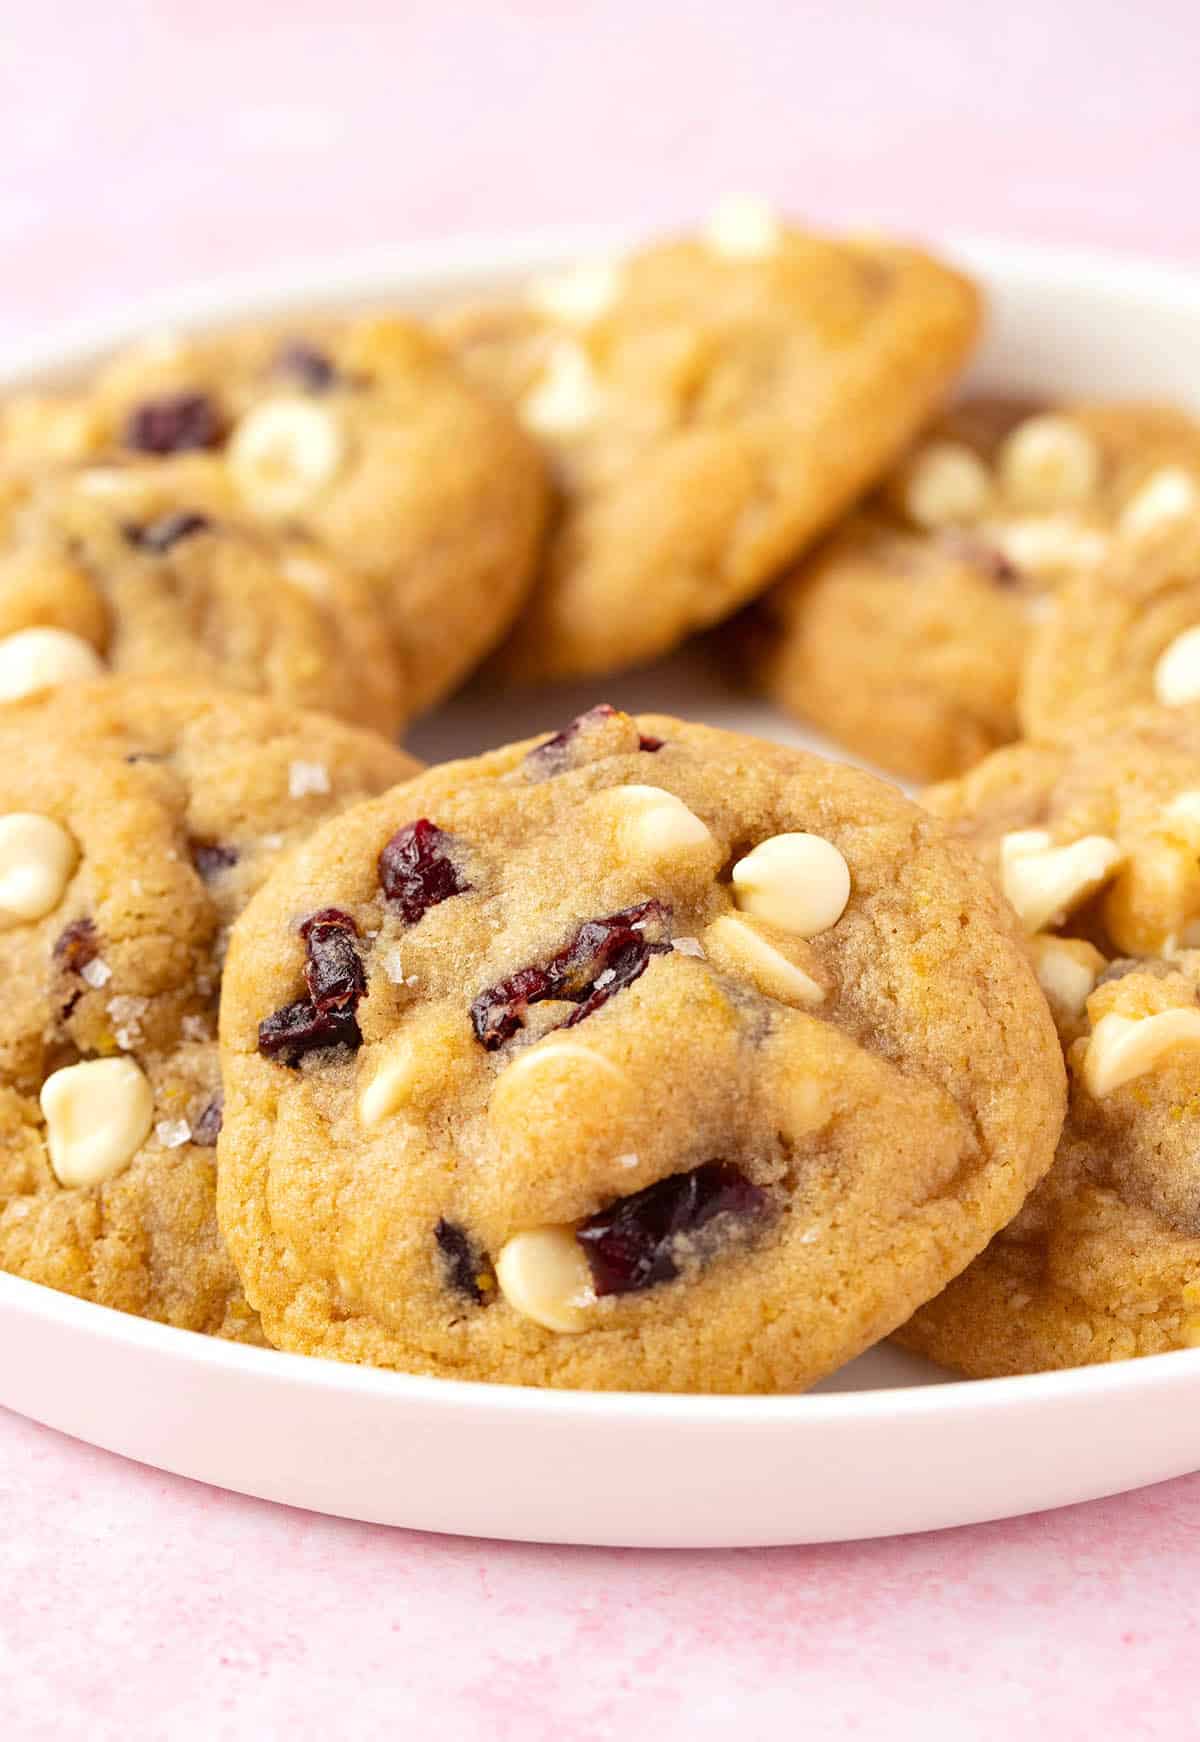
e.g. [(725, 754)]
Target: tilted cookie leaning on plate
[(709, 406), (1096, 841), (640, 1056), (135, 821), (991, 582), (343, 474)]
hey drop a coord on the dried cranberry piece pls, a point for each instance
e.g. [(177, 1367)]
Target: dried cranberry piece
[(499, 1011), (416, 871), (631, 1244), (211, 857), (176, 423), (604, 956), (336, 980), (314, 371), (468, 1268), (76, 945), (554, 754), (649, 743), (207, 1128), (333, 970), (300, 1028), (978, 553), (158, 536)]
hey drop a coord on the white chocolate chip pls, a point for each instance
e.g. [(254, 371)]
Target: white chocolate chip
[(743, 228), (284, 453), (554, 1057), (799, 882), (734, 943), (1183, 813), (653, 823), (37, 857), (1168, 494), (1124, 1047), (543, 1275), (580, 296), (107, 482), (1050, 546), (98, 1115), (391, 1085), (1049, 462), (1177, 673), (946, 484), (1067, 971), (308, 575), (1044, 882), (307, 777), (567, 397), (34, 660)]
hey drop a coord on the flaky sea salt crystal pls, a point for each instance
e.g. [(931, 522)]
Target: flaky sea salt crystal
[(307, 777), (126, 1013), (96, 972), (172, 1132), (689, 947), (393, 968)]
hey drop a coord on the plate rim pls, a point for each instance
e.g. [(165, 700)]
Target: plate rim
[(407, 268), (955, 1396)]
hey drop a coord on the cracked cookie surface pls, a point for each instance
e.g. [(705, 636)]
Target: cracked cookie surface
[(709, 406), (1006, 535), (136, 819), (356, 451), (1097, 842), (641, 1056)]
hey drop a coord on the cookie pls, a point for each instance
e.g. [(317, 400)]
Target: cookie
[(643, 1056), (710, 406), (906, 636), (1097, 843), (148, 572), (357, 447), (136, 819), (1125, 634)]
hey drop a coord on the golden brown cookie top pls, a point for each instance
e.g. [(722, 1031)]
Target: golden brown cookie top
[(355, 444), (135, 821), (709, 406), (1122, 634), (1024, 561), (146, 571), (1051, 488), (1096, 840), (645, 1055), (904, 645)]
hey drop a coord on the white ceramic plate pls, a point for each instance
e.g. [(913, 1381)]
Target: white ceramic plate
[(890, 1444)]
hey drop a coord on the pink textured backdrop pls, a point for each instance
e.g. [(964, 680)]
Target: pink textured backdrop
[(144, 144)]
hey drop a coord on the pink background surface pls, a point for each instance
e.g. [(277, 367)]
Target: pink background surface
[(146, 144)]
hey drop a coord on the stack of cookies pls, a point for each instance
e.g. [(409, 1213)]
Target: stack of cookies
[(638, 1055)]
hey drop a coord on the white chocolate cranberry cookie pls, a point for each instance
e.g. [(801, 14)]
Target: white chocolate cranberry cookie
[(135, 821), (907, 634), (1097, 844), (710, 406), (144, 571), (643, 1056), (357, 449), (1124, 634)]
